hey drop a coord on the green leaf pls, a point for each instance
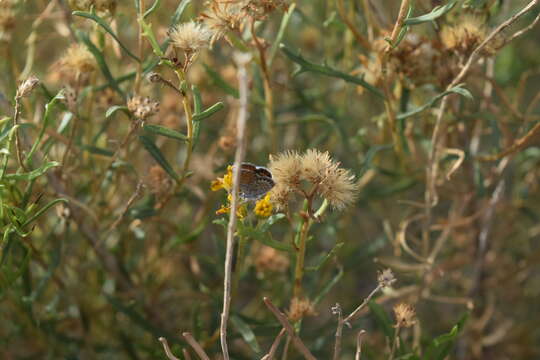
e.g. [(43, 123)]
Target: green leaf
[(42, 211), (163, 131), (179, 11), (149, 33), (102, 64), (441, 346), (107, 28), (370, 155), (209, 112), (46, 119), (263, 237), (158, 156), (114, 109), (34, 173), (306, 66), (281, 32), (382, 319), (271, 220), (152, 8), (220, 82), (97, 150), (437, 12), (246, 332), (325, 258), (328, 286), (197, 109), (458, 89)]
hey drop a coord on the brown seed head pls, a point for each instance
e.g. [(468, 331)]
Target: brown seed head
[(405, 315)]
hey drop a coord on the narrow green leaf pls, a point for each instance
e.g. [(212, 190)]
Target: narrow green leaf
[(382, 319), (34, 173), (209, 112), (370, 155), (114, 109), (179, 11), (220, 82), (46, 119), (97, 150), (325, 259), (441, 346), (100, 59), (163, 131), (306, 66), (281, 32), (459, 89), (158, 156), (149, 33), (107, 28), (42, 211), (437, 12), (246, 332), (197, 109), (263, 237), (328, 286), (271, 220), (152, 8)]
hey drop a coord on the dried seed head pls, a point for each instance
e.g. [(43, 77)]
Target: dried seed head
[(279, 195), (386, 278), (286, 169), (464, 36), (339, 187), (223, 16), (190, 37), (27, 86), (300, 308), (142, 107), (405, 315)]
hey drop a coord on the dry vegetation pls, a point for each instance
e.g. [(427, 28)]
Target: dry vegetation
[(398, 218)]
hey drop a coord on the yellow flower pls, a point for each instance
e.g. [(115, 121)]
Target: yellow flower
[(264, 207), (241, 212), (224, 182)]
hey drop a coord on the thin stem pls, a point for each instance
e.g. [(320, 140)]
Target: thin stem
[(141, 47), (195, 345), (17, 138), (359, 344), (273, 349), (394, 343), (167, 349), (362, 305), (268, 95), (290, 330), (241, 60)]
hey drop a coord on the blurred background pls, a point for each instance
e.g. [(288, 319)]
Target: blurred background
[(109, 241)]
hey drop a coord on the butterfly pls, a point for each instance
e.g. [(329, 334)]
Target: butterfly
[(255, 181)]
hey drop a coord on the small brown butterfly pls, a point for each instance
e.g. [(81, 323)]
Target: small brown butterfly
[(255, 181)]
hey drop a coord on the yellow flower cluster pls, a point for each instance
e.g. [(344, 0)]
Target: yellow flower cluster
[(264, 207)]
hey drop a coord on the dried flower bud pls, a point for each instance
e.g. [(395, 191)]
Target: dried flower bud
[(268, 259), (154, 77), (386, 278), (27, 86), (300, 308), (142, 107), (405, 315)]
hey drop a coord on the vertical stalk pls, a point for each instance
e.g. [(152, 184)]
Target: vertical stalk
[(394, 343), (141, 47), (300, 257)]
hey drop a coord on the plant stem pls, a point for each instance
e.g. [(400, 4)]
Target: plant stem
[(307, 221), (394, 344), (17, 139), (141, 48)]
